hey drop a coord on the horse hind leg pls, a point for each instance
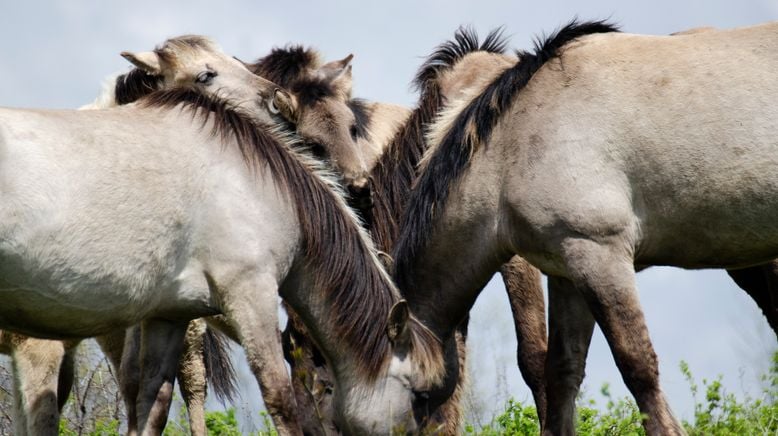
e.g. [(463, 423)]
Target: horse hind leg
[(761, 283), (605, 276), (525, 293), (162, 343), (36, 366)]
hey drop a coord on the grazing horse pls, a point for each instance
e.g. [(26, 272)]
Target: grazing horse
[(377, 125), (596, 155)]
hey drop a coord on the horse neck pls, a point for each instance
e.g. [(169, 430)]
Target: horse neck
[(316, 310), (393, 175), (385, 120), (469, 242)]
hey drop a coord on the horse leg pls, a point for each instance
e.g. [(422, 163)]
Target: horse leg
[(36, 364), (311, 379), (606, 278), (127, 373), (192, 376), (761, 283), (252, 307), (570, 331), (162, 342), (525, 293), (67, 374), (447, 420)]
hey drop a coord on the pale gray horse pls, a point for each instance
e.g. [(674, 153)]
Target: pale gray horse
[(118, 216), (592, 157)]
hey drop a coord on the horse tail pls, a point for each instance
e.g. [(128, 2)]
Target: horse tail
[(218, 365)]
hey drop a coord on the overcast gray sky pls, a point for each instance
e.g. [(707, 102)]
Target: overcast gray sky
[(56, 53)]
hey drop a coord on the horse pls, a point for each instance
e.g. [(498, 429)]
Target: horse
[(580, 157), (378, 124), (315, 414)]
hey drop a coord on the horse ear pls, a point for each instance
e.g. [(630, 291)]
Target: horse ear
[(397, 328), (338, 74), (147, 61), (285, 104)]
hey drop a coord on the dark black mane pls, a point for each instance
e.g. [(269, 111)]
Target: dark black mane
[(450, 52), (472, 128), (134, 85), (286, 65), (359, 296), (393, 175)]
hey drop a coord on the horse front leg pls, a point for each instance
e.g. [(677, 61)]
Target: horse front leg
[(162, 342), (525, 293), (252, 308), (570, 331), (761, 283), (36, 366), (605, 276)]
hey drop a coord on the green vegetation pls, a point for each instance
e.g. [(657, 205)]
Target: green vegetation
[(719, 413), (94, 409)]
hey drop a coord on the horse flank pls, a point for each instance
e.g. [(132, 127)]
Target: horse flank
[(447, 160)]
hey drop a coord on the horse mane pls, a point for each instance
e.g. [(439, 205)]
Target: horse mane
[(134, 85), (445, 164), (446, 55), (359, 292), (283, 66), (393, 175)]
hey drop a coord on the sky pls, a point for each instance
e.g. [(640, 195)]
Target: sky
[(55, 54)]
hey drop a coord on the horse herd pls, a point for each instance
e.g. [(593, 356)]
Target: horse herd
[(199, 187)]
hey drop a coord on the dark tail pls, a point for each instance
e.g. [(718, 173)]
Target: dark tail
[(218, 366)]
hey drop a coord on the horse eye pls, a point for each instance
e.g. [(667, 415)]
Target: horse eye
[(205, 77), (353, 131)]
